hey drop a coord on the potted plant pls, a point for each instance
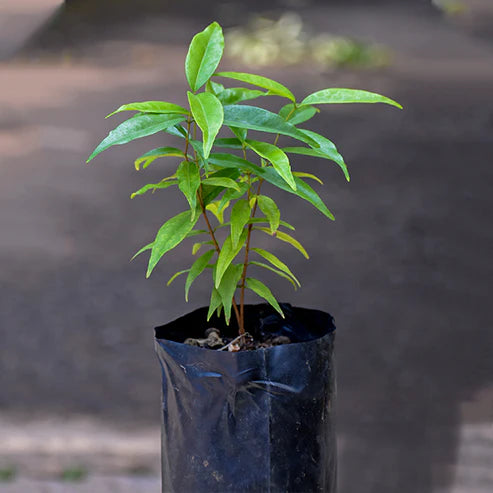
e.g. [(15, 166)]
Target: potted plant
[(248, 390)]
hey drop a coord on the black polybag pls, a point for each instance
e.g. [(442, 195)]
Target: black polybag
[(249, 421)]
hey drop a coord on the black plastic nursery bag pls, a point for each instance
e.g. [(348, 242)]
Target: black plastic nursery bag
[(251, 421)]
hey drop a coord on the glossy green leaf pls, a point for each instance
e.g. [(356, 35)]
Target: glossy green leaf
[(227, 255), (299, 114), (210, 192), (241, 133), (280, 235), (275, 262), (302, 174), (325, 149), (177, 131), (274, 88), (276, 157), (303, 190), (276, 271), (237, 94), (221, 182), (338, 95), (253, 118), (154, 186), (151, 156), (204, 55), (207, 111), (263, 291), (229, 143), (171, 234), (135, 128), (214, 303), (152, 107), (175, 275), (240, 214), (188, 176), (270, 211), (197, 268), (227, 288)]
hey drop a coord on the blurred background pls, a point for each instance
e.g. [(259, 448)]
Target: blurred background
[(405, 269)]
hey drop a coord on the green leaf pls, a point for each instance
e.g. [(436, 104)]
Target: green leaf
[(204, 54), (327, 150), (197, 268), (208, 113), (237, 94), (227, 288), (303, 190), (229, 143), (154, 186), (286, 238), (299, 114), (210, 192), (270, 210), (278, 272), (188, 176), (337, 95), (215, 303), (151, 107), (143, 249), (151, 156), (221, 182), (241, 133), (135, 128), (264, 292), (302, 174), (253, 118), (228, 253), (276, 262), (197, 232), (171, 234), (257, 220), (240, 214), (276, 157), (273, 87), (217, 208), (197, 246), (175, 275)]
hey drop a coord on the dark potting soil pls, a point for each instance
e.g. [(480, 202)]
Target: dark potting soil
[(265, 328)]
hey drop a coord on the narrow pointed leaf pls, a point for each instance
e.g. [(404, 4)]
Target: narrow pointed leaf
[(263, 291), (175, 275), (270, 210), (273, 87), (152, 107), (143, 249), (197, 246), (227, 255), (217, 208), (153, 187), (188, 176), (229, 143), (303, 190), (227, 288), (204, 55), (275, 262), (221, 182), (240, 214), (280, 235), (210, 192), (298, 115), (253, 118), (214, 303), (171, 234), (237, 94), (302, 174), (197, 268), (276, 271), (276, 157), (135, 128), (208, 113), (197, 232), (151, 156), (337, 95)]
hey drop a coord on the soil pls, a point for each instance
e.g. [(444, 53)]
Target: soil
[(212, 340)]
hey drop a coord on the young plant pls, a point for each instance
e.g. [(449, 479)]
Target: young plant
[(214, 182)]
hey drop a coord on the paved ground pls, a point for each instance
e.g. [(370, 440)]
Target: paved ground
[(406, 268)]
